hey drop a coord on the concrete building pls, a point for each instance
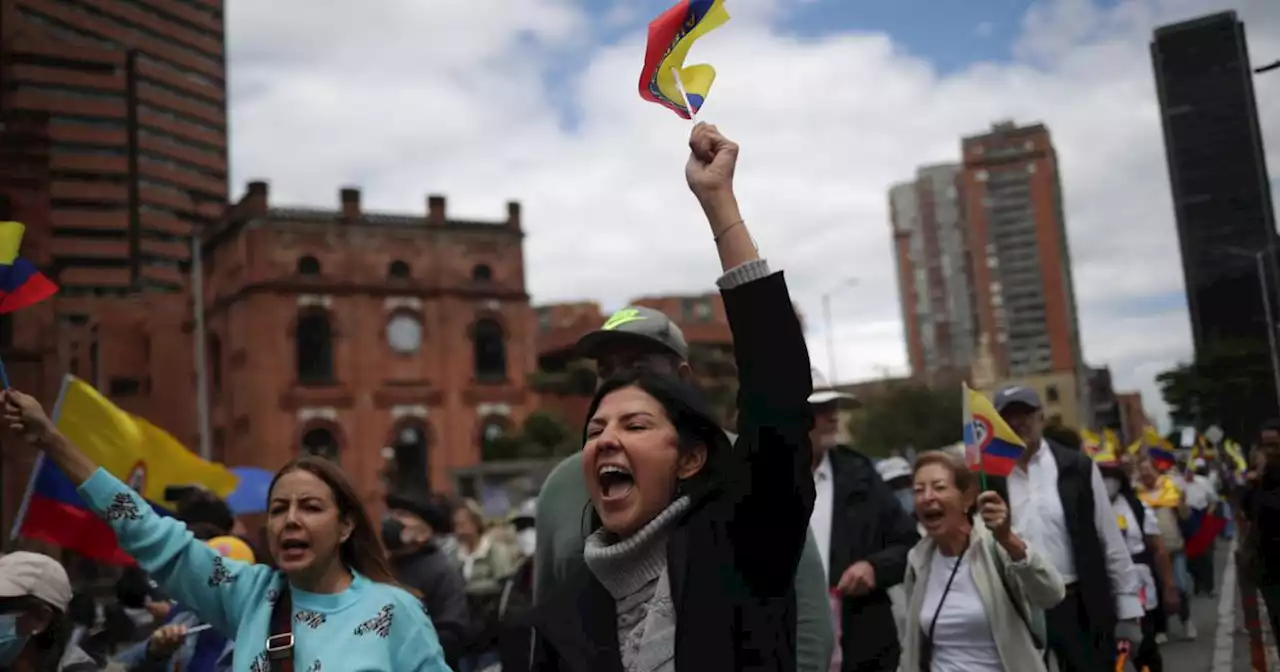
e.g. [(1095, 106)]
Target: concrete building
[(1222, 197), (344, 332), (935, 279), (1021, 262)]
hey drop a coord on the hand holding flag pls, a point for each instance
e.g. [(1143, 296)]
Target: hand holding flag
[(991, 446)]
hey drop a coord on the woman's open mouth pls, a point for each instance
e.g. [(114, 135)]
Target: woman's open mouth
[(930, 518), (293, 549), (615, 481)]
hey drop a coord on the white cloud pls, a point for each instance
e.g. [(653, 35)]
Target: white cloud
[(413, 97)]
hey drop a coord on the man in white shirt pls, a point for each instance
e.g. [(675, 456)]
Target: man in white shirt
[(1061, 506), (863, 537)]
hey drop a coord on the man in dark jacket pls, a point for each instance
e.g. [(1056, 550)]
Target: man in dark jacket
[(408, 532), (1260, 509), (863, 536)]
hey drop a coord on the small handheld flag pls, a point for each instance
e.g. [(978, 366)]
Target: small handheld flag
[(21, 284), (991, 446), (665, 79)]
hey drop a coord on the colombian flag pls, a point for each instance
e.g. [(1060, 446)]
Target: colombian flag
[(1090, 443), (132, 449), (21, 285), (990, 445), (670, 36)]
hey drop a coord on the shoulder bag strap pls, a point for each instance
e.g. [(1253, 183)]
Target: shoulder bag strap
[(1014, 598), (280, 643)]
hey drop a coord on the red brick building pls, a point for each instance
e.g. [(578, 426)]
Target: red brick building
[(343, 332), (135, 94)]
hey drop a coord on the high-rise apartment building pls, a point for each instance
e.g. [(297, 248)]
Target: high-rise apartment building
[(1018, 244), (935, 283), (1218, 174), (135, 94)]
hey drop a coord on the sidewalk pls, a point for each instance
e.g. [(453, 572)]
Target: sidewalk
[(1232, 650)]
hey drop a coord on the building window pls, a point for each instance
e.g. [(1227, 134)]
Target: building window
[(213, 360), (308, 265), (409, 466), (313, 339), (398, 270), (320, 442), (489, 344), (124, 387), (93, 363), (481, 273), (1051, 394), (6, 330)]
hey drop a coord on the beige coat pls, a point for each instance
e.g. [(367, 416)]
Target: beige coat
[(1039, 586)]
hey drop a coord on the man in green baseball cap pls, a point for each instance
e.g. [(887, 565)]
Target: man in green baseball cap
[(638, 337)]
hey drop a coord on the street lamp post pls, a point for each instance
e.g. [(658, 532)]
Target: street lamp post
[(200, 336), (831, 334), (1263, 284)]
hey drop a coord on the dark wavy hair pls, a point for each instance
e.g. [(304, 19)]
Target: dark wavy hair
[(688, 410), (362, 551)]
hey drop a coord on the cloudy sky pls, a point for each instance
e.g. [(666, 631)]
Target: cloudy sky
[(831, 100)]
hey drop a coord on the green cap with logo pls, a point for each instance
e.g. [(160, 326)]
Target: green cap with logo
[(635, 324)]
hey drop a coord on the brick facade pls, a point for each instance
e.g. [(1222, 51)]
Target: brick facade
[(348, 333)]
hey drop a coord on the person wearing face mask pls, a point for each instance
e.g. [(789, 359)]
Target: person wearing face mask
[(410, 531), (1142, 535), (34, 626), (515, 634)]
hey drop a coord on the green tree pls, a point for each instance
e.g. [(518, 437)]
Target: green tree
[(1228, 384), (907, 414)]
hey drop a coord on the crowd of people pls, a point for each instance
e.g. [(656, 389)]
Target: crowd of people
[(670, 541)]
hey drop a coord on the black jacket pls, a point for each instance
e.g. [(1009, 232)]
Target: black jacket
[(868, 523), (438, 578), (515, 609), (732, 556)]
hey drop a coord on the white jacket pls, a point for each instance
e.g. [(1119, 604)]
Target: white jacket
[(1037, 584)]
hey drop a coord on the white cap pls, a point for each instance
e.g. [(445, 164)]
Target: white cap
[(25, 574), (527, 509), (893, 467), (823, 393)]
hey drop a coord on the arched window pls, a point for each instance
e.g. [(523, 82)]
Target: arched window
[(409, 471), (481, 273), (398, 270), (489, 344), (308, 265), (213, 360), (313, 340), (320, 442)]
